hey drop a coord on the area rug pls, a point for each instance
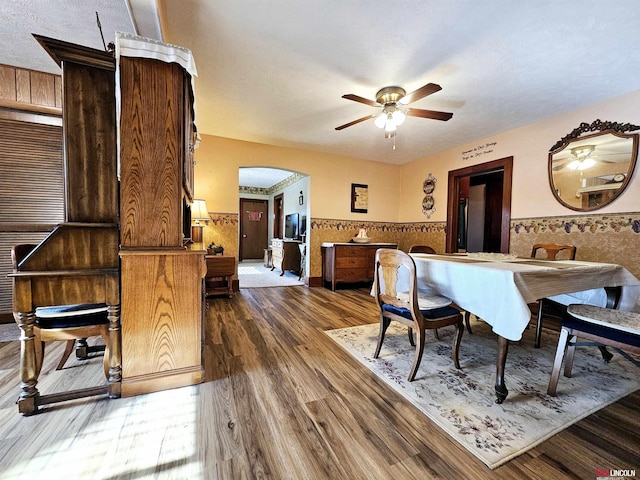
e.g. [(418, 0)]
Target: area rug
[(462, 402), (256, 275)]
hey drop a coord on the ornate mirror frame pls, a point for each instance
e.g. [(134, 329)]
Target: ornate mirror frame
[(569, 153)]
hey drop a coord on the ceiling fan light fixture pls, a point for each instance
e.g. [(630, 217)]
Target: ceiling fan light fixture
[(582, 164), (380, 120), (583, 151), (582, 157), (398, 116), (390, 125)]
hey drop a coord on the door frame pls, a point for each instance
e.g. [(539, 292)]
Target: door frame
[(453, 193), (278, 215)]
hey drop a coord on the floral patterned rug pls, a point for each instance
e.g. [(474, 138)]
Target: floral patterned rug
[(462, 402)]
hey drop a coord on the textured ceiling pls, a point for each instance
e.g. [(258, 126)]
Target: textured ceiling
[(261, 177), (68, 20), (274, 72)]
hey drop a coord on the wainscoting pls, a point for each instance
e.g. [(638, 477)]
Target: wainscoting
[(599, 238)]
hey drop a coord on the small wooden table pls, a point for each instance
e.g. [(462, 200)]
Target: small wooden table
[(219, 277)]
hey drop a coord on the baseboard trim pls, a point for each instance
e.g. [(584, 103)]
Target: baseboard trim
[(162, 381)]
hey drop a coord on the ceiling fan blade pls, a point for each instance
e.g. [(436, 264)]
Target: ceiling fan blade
[(422, 92), (356, 98), (560, 164), (356, 121), (417, 112)]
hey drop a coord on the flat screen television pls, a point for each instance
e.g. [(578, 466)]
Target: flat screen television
[(291, 226)]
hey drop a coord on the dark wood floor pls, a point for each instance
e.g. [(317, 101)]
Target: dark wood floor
[(282, 401)]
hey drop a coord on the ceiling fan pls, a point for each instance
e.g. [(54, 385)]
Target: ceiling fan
[(392, 104), (581, 159)]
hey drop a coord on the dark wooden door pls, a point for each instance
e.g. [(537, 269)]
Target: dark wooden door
[(253, 228), (497, 224)]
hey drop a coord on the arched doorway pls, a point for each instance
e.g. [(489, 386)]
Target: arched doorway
[(283, 195)]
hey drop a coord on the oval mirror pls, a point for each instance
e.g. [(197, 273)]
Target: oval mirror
[(591, 171)]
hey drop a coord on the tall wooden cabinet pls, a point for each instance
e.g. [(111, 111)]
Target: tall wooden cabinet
[(133, 230), (161, 278)]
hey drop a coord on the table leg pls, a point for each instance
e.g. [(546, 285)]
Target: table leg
[(500, 387)]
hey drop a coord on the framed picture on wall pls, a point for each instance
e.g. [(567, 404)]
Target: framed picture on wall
[(359, 198)]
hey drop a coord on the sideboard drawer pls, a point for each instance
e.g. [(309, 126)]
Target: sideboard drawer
[(352, 275), (345, 262), (349, 251)]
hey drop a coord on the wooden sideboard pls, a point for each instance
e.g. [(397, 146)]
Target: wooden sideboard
[(285, 255), (349, 262)]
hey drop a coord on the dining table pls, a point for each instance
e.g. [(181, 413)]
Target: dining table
[(498, 288)]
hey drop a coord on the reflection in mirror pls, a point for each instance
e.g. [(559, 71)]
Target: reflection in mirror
[(589, 172)]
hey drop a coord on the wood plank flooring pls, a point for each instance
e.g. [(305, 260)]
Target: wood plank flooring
[(281, 401)]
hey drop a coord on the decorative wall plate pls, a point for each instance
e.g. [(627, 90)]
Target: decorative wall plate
[(428, 202), (429, 184), (428, 205)]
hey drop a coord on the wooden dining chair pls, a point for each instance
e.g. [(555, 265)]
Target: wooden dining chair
[(549, 251), (46, 307), (421, 249), (428, 249), (70, 323), (417, 313), (604, 326), (92, 318)]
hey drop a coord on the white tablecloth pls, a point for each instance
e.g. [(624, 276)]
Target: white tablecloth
[(499, 291)]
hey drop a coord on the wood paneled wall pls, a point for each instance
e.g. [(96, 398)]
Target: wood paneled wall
[(31, 170), (30, 90)]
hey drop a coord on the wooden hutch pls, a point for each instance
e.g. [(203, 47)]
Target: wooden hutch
[(140, 129), (161, 278)]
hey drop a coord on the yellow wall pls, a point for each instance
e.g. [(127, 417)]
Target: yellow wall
[(216, 178), (529, 146)]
